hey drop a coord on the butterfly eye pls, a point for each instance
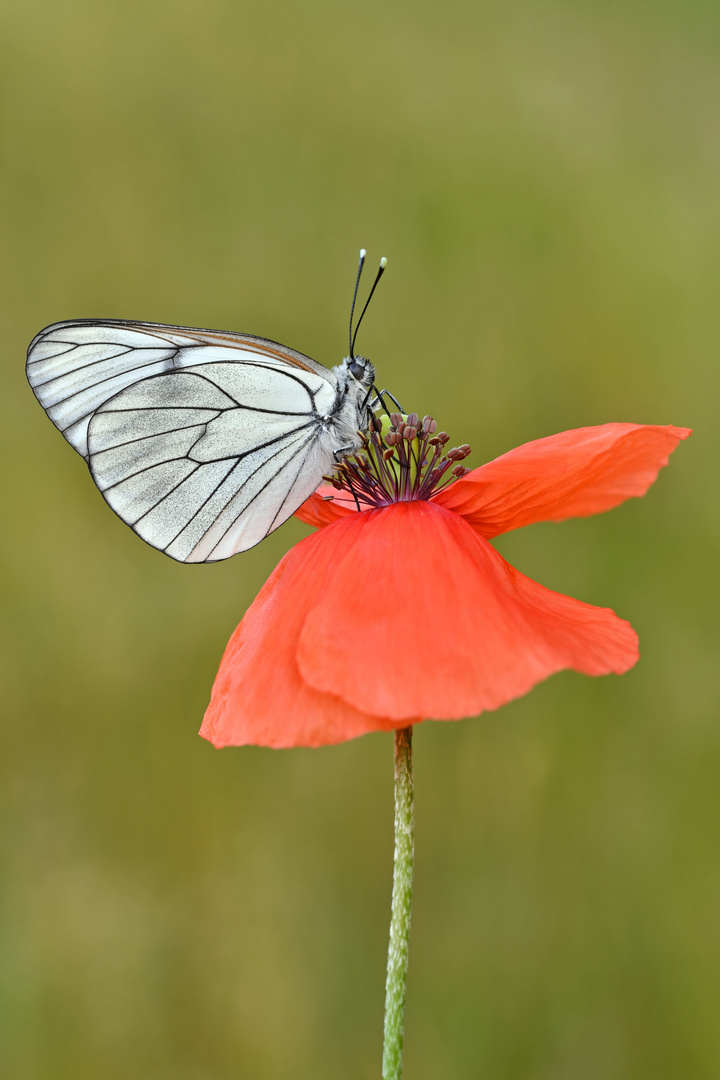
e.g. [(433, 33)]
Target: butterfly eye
[(357, 368)]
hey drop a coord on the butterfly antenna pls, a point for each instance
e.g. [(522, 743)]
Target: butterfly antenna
[(381, 271), (352, 309)]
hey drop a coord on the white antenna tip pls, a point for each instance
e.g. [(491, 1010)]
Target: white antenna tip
[(363, 253), (383, 263)]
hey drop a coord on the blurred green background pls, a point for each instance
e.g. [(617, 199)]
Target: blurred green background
[(545, 181)]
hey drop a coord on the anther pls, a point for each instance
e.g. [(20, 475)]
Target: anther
[(386, 469)]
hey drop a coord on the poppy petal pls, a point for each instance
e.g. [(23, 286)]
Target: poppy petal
[(325, 506), (573, 474), (258, 696), (420, 616)]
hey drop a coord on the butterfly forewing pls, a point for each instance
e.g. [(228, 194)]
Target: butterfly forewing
[(202, 441), (74, 367)]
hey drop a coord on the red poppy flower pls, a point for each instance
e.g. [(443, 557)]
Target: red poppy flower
[(399, 609)]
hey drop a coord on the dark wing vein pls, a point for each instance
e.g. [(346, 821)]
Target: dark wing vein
[(301, 462), (168, 431), (227, 457), (257, 493), (84, 367), (170, 491), (233, 494)]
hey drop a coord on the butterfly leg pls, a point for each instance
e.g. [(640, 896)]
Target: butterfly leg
[(392, 398), (379, 399), (342, 451)]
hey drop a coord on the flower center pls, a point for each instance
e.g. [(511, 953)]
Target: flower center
[(402, 459)]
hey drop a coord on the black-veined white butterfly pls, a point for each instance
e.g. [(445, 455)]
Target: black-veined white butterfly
[(202, 441)]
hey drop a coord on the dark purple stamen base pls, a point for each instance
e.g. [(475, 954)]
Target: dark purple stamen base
[(399, 464)]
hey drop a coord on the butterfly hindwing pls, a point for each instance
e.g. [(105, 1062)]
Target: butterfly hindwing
[(184, 476)]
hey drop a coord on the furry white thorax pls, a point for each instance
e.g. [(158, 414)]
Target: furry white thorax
[(349, 415)]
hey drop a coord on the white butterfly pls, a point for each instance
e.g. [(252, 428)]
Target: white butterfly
[(202, 441)]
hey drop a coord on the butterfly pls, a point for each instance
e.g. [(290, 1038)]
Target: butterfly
[(202, 441)]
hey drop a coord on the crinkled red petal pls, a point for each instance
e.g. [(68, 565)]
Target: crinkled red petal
[(419, 616), (326, 505), (573, 474), (259, 697)]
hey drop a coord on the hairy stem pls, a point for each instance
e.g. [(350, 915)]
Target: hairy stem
[(401, 905)]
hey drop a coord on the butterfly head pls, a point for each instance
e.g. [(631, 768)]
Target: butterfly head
[(360, 369)]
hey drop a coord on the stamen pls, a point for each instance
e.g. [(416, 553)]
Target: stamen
[(402, 459)]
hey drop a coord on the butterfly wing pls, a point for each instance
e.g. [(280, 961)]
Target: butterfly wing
[(74, 367), (203, 442)]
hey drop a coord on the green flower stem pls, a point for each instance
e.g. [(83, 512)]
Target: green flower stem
[(401, 905)]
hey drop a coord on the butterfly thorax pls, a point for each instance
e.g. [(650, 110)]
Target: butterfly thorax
[(351, 413)]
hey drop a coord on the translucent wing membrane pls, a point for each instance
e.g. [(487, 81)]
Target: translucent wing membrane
[(203, 442)]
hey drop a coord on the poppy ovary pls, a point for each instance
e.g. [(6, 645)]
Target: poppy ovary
[(402, 459)]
